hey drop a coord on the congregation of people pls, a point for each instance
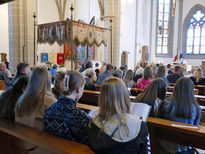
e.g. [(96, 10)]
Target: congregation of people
[(46, 99)]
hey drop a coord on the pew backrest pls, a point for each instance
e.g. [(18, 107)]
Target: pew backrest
[(18, 138), (2, 85)]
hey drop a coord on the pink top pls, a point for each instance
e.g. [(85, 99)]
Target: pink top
[(142, 84)]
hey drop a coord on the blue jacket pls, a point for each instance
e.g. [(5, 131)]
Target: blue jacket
[(102, 77), (65, 120)]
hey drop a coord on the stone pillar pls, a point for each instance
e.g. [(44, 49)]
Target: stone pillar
[(112, 8), (21, 32)]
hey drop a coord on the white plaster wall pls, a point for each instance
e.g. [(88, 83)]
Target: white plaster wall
[(4, 33)]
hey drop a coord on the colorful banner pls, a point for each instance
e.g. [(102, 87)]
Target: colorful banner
[(60, 58), (52, 58), (44, 57)]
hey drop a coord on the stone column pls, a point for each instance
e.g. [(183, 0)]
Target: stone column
[(21, 32)]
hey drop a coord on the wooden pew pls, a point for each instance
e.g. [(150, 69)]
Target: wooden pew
[(2, 85), (135, 91), (163, 129), (91, 97), (171, 89), (97, 86), (21, 139)]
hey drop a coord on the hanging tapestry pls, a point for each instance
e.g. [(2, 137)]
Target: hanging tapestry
[(60, 59), (44, 57), (67, 51), (52, 58)]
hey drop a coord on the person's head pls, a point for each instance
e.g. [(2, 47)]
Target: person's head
[(74, 84), (55, 66), (160, 71), (88, 64), (2, 66), (114, 100), (147, 74), (9, 98), (109, 68), (58, 89), (33, 97), (96, 65), (154, 70), (128, 77), (157, 65), (23, 68), (123, 68), (156, 89), (168, 66), (139, 71), (89, 73), (118, 73), (183, 97), (177, 69), (198, 74)]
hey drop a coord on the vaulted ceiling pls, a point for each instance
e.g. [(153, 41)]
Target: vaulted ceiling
[(4, 1)]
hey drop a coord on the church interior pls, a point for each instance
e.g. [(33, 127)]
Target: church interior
[(73, 73)]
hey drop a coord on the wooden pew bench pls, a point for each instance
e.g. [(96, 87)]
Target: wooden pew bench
[(91, 97), (21, 139), (163, 129)]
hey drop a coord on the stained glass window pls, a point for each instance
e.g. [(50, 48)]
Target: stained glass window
[(195, 41), (163, 16)]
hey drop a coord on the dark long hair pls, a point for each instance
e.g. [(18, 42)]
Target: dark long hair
[(183, 98), (9, 98), (160, 72), (156, 89)]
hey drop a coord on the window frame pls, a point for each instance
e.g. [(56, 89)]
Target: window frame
[(186, 24), (169, 53)]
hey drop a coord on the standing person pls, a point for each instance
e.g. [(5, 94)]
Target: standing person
[(180, 107), (53, 70), (9, 98), (35, 100), (22, 69), (115, 129), (104, 75), (147, 78), (128, 79), (161, 74), (172, 78), (63, 118), (153, 95)]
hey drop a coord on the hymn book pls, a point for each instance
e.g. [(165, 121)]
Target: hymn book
[(142, 110)]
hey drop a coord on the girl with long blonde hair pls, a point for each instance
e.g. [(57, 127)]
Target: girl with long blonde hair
[(198, 78), (114, 129), (35, 100)]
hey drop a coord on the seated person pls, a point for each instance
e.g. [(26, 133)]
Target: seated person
[(118, 73), (172, 78), (104, 75), (128, 79), (22, 69), (9, 98), (35, 100), (88, 64), (146, 80), (161, 74), (89, 75), (97, 71), (180, 107), (3, 75), (198, 78), (58, 89), (138, 74), (169, 68), (63, 118), (153, 95), (115, 129)]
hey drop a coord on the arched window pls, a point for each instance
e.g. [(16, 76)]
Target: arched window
[(164, 9), (194, 33)]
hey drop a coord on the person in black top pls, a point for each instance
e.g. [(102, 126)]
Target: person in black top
[(22, 69), (198, 78), (115, 129), (172, 78), (89, 75), (63, 118)]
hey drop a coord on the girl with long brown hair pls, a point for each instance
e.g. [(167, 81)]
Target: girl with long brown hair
[(114, 129), (35, 100), (128, 79)]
